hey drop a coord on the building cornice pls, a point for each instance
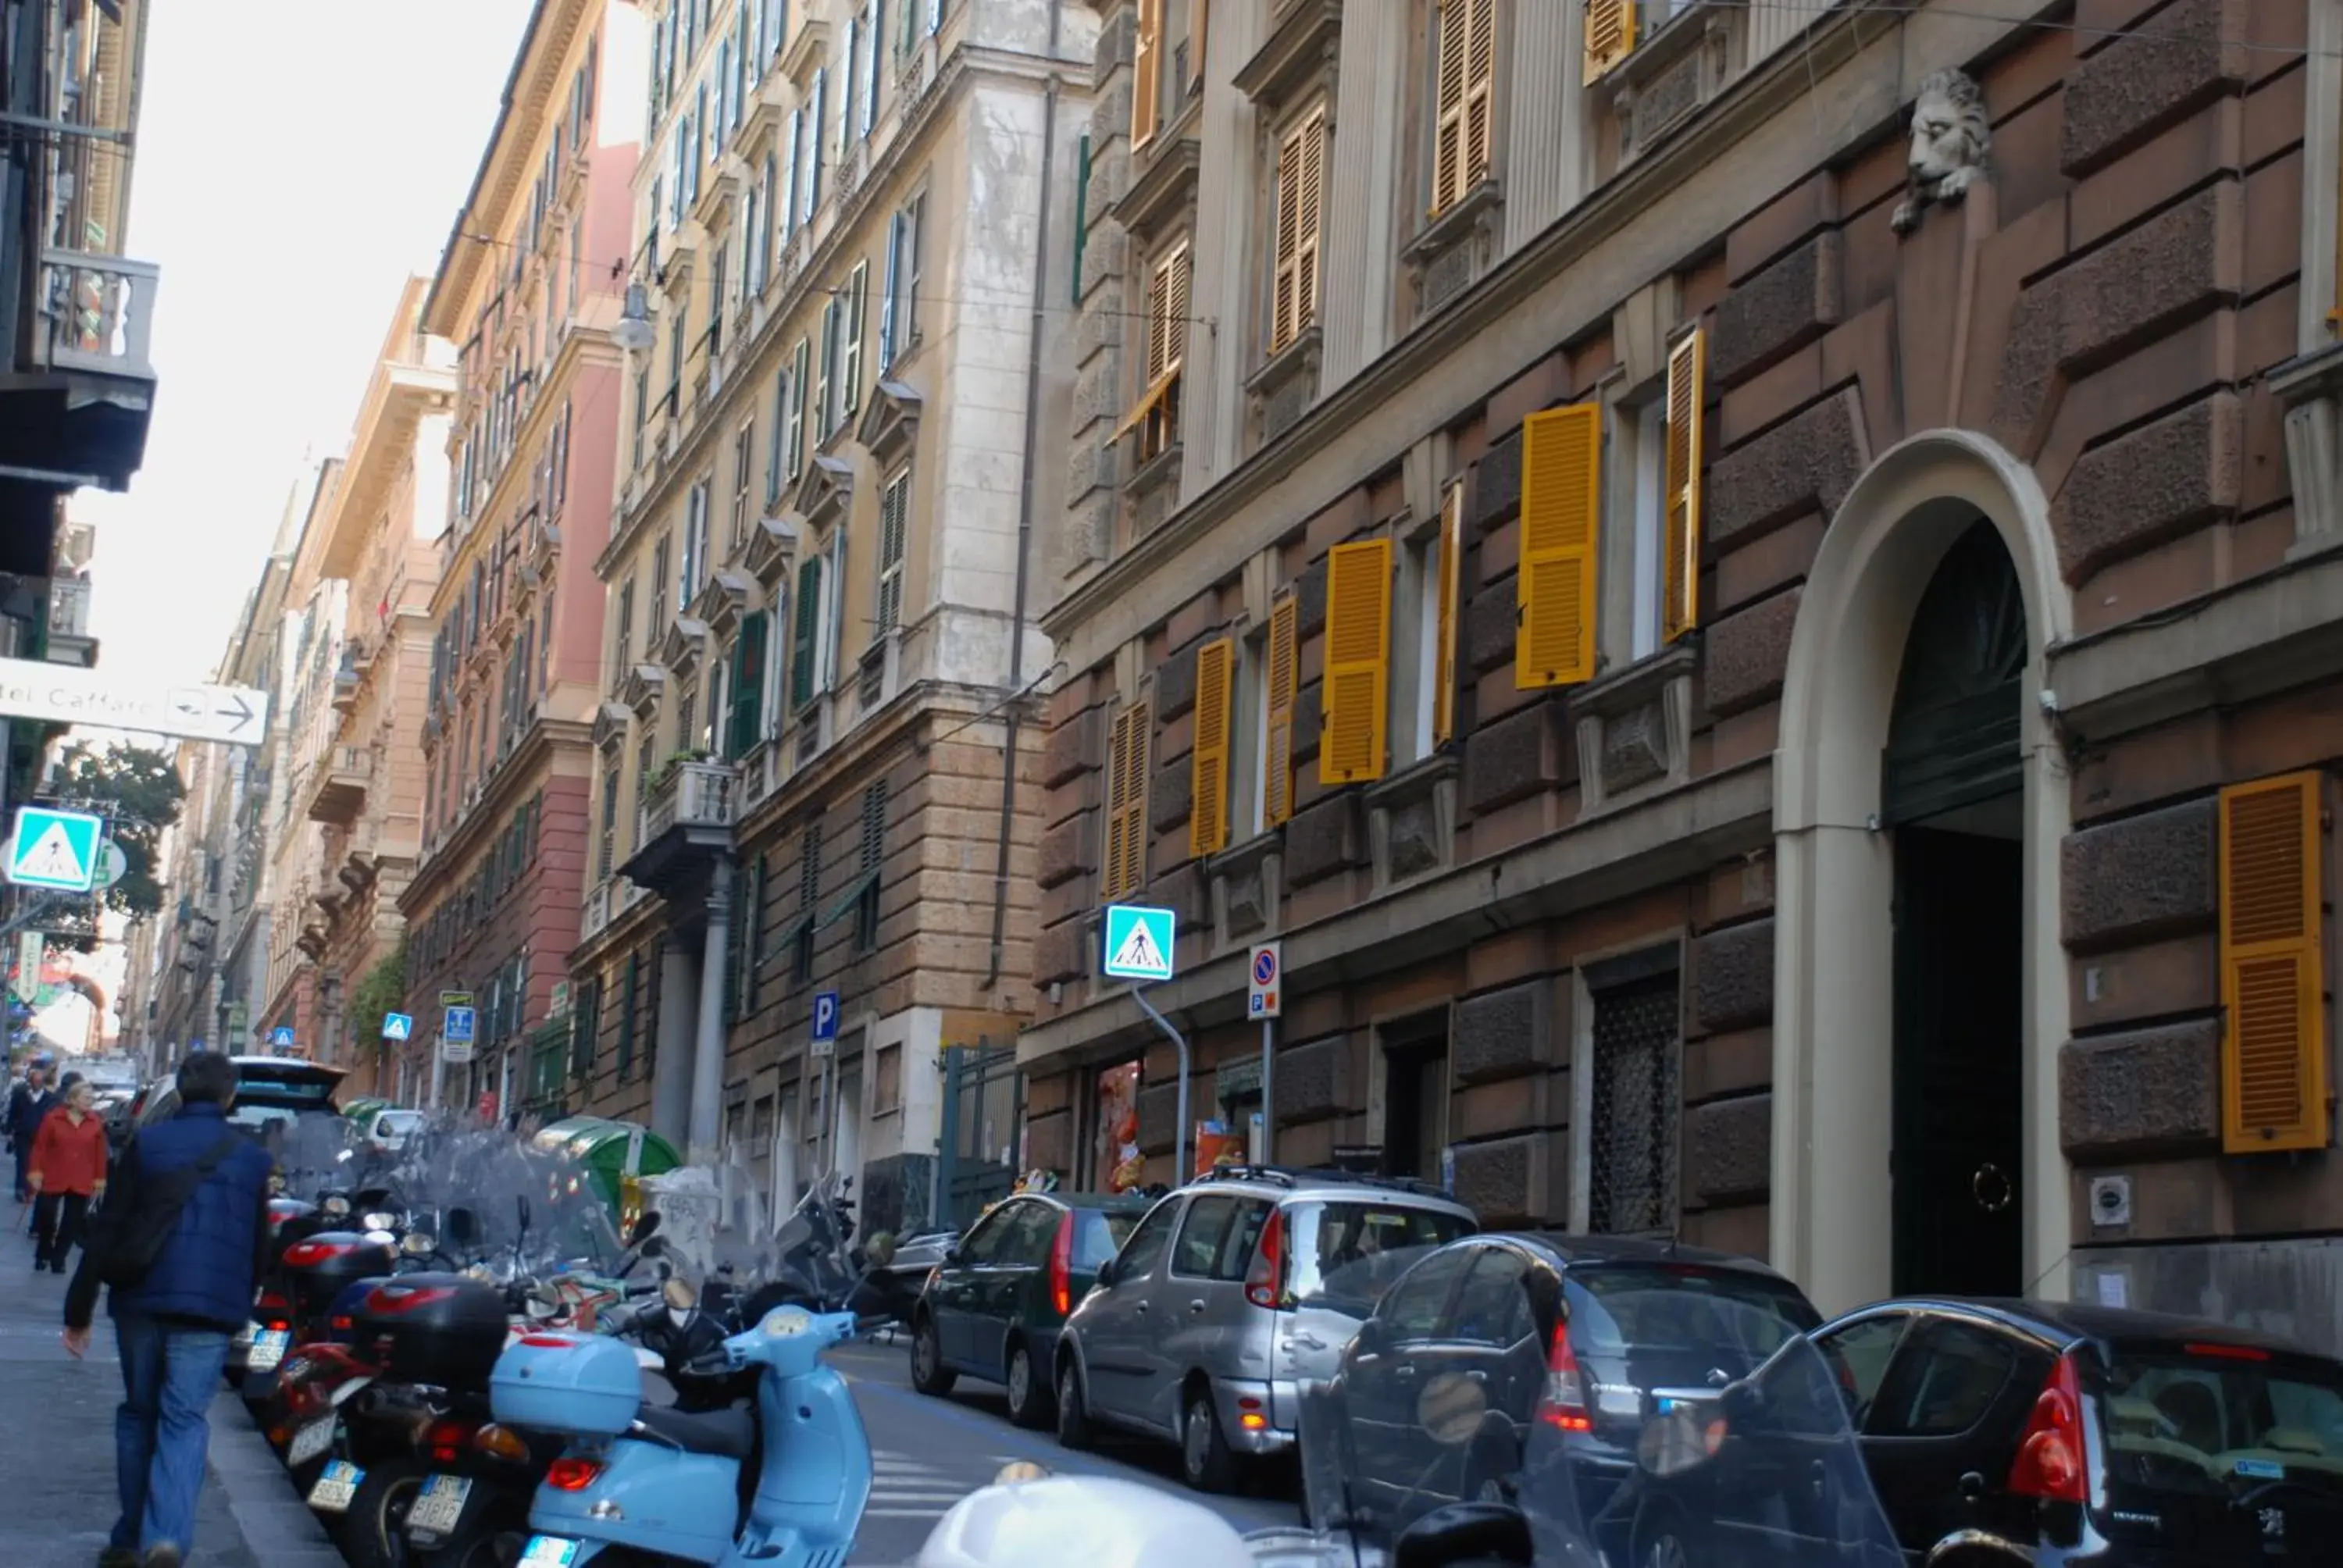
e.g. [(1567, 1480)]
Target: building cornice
[(1546, 293)]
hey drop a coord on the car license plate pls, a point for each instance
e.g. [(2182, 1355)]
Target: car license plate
[(336, 1489), (440, 1507), (549, 1552), (267, 1349), (311, 1441)]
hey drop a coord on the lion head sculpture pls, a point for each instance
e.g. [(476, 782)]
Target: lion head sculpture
[(1951, 141)]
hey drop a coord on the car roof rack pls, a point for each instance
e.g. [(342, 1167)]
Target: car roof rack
[(1291, 1175)]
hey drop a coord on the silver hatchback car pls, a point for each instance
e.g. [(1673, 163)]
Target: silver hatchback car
[(1232, 1292)]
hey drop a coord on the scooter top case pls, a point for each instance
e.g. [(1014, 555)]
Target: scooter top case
[(443, 1329), (578, 1385)]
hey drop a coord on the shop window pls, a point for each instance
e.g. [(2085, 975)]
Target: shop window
[(1116, 1164)]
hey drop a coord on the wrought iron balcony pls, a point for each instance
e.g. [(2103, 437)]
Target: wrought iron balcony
[(684, 824)]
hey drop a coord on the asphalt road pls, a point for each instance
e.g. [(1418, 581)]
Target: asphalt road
[(930, 1453)]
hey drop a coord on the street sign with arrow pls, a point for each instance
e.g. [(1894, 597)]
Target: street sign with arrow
[(69, 694)]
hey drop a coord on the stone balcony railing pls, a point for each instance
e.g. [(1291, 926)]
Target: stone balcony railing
[(100, 313), (692, 795)]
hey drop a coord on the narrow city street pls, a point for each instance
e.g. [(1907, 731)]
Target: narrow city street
[(57, 1453)]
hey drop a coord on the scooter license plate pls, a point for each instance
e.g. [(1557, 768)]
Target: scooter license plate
[(334, 1490), (310, 1442), (440, 1507), (267, 1349), (549, 1551)]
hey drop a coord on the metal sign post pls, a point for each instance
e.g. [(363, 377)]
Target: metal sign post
[(1265, 1000), (1179, 1043)]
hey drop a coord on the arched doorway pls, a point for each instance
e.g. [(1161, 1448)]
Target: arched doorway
[(1869, 697), (1952, 793)]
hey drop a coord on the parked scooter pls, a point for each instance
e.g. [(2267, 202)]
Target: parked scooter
[(783, 1487)]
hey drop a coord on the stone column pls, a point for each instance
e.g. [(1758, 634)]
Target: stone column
[(1368, 210), (708, 1041), (1544, 150), (672, 1067)]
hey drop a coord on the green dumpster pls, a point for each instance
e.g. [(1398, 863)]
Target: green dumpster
[(614, 1154), (362, 1111)]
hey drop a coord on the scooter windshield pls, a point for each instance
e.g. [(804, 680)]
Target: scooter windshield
[(1438, 1457)]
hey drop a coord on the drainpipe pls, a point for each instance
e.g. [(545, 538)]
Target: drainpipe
[(1027, 463)]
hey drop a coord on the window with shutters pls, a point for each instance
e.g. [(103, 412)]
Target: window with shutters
[(1208, 759), (585, 1024), (805, 636), (744, 465), (1680, 522), (693, 568), (656, 628), (794, 391), (871, 861), (825, 371), (622, 642), (2274, 1064), (1300, 201), (1125, 868), (752, 932), (1280, 680), (605, 847), (630, 1014), (894, 526), (1353, 741), (808, 897), (1146, 72), (1157, 415), (745, 684), (1423, 690), (858, 292), (1561, 525), (1463, 106)]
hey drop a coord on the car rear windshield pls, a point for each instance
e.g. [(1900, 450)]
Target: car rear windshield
[(1676, 1322), (1098, 1233), (2216, 1418), (1347, 1254), (298, 1092)]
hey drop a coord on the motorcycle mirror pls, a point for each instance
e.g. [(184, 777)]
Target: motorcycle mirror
[(1464, 1533), (1451, 1407), (643, 1228), (656, 1247), (462, 1226)]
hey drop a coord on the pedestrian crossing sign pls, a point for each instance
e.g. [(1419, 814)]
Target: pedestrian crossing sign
[(1137, 945), (56, 850)]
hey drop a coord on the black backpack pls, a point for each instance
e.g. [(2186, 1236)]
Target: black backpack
[(127, 1231)]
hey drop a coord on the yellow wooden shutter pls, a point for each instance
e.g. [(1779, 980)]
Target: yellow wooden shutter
[(1285, 245), (1134, 798), (1208, 761), (1448, 106), (1144, 71), (1310, 209), (1680, 544), (1562, 527), (1118, 767), (1353, 730), (1452, 579), (2274, 1082), (1283, 678), (1480, 93), (1610, 34)]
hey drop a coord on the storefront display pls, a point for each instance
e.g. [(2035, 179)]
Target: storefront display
[(1116, 1163)]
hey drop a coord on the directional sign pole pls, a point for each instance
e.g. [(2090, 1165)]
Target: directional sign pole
[(1179, 1043)]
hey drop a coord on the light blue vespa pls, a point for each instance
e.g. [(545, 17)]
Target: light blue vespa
[(671, 1485)]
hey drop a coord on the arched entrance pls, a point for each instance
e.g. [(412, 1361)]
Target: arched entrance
[(1918, 809), (1952, 794)]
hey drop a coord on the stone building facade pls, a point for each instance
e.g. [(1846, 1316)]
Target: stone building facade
[(816, 729), (528, 289), (1777, 678)]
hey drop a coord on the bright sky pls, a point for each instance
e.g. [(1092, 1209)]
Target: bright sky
[(297, 160)]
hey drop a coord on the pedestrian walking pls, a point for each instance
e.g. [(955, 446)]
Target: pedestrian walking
[(180, 1242), (29, 1104), (69, 1160)]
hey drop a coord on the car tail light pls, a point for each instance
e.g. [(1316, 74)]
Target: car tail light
[(1062, 1266), (500, 1442), (446, 1440), (1265, 1281), (390, 1300), (2226, 1352), (573, 1474), (309, 1254), (2050, 1454), (1564, 1405)]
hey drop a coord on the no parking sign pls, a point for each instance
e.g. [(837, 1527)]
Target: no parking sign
[(1263, 981)]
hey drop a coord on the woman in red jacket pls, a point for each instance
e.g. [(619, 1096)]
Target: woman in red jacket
[(68, 1173)]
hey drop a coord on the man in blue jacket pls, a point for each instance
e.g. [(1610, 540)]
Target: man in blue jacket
[(174, 1325)]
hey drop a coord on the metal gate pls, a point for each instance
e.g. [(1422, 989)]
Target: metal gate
[(984, 1129)]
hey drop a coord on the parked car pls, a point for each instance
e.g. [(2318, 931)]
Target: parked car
[(2044, 1433), (1231, 1293), (387, 1130), (993, 1307), (267, 1089), (1484, 1339)]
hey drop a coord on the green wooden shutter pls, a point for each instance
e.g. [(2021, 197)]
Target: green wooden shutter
[(747, 684), (803, 649)]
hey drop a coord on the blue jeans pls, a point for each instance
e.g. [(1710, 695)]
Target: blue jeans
[(169, 1374)]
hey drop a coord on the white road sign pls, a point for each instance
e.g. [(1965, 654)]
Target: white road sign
[(68, 694)]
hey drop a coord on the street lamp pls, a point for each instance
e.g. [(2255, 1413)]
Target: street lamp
[(634, 331)]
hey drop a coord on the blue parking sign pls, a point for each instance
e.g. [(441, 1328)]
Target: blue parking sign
[(825, 1015), (458, 1028)]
